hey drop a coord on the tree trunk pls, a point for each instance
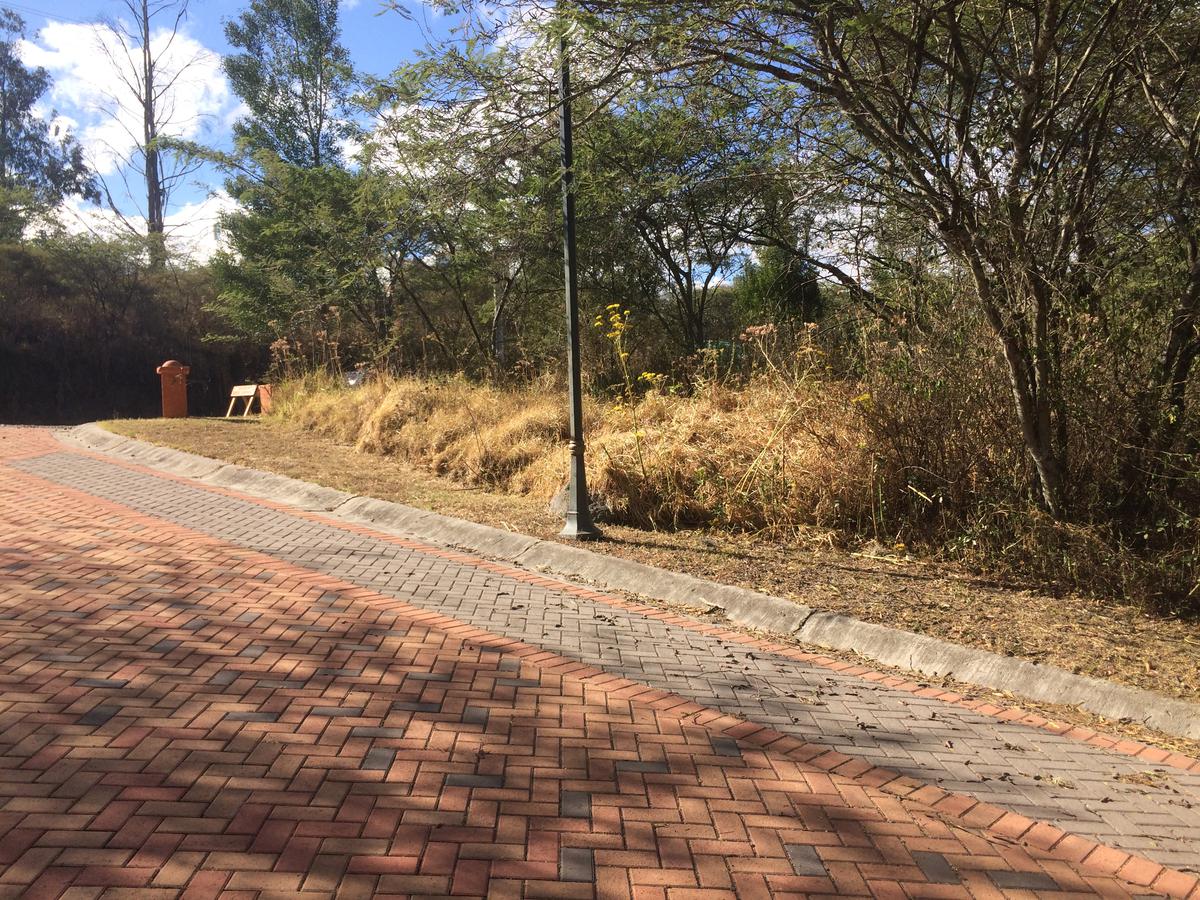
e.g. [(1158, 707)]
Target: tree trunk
[(1033, 412), (499, 332), (1163, 403), (1031, 394), (154, 185)]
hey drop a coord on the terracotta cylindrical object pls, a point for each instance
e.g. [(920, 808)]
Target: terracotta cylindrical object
[(174, 389)]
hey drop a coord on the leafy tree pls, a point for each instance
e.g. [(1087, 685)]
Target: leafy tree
[(1001, 131), (780, 287), (679, 172), (303, 251), (672, 184), (294, 76), (303, 254), (472, 232), (1162, 139), (39, 166)]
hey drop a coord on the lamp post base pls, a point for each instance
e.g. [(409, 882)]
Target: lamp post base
[(578, 513), (580, 528)]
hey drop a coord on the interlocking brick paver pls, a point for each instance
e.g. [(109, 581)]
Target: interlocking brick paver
[(415, 721)]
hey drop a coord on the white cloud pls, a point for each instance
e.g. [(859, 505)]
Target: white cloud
[(191, 229), (92, 70), (233, 114)]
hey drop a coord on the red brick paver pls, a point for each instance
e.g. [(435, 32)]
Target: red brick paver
[(182, 716)]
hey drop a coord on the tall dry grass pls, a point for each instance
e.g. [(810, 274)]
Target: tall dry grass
[(921, 458), (775, 453)]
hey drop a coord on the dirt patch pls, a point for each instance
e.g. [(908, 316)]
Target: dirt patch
[(1111, 640)]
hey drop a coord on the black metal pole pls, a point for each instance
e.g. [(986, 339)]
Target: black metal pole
[(579, 522)]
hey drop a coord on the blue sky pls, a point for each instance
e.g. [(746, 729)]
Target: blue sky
[(376, 39), (87, 94)]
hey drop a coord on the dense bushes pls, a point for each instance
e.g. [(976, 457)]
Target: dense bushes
[(85, 322), (954, 475)]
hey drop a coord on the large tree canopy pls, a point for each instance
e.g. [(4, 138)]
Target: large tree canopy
[(1038, 146)]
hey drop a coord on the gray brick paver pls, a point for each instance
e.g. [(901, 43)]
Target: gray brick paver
[(805, 700)]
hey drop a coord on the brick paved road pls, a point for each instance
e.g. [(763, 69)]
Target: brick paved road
[(201, 693)]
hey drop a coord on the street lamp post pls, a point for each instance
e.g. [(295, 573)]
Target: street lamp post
[(579, 524)]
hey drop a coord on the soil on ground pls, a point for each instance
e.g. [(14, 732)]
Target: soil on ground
[(1107, 639)]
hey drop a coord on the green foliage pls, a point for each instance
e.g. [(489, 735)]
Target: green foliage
[(84, 321), (295, 77), (302, 253), (674, 186), (39, 166), (780, 287)]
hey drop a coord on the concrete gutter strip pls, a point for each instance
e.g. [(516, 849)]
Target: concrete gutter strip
[(890, 646), (757, 610), (260, 484), (174, 461), (746, 607), (278, 487), (934, 657), (484, 539)]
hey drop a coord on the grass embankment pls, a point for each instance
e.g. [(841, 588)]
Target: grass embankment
[(768, 488), (795, 455), (777, 456)]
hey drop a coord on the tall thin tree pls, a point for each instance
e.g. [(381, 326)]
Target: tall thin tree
[(143, 53)]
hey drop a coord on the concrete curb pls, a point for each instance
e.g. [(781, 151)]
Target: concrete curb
[(889, 646)]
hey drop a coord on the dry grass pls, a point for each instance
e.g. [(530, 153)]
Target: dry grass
[(778, 454), (1118, 641), (475, 434)]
